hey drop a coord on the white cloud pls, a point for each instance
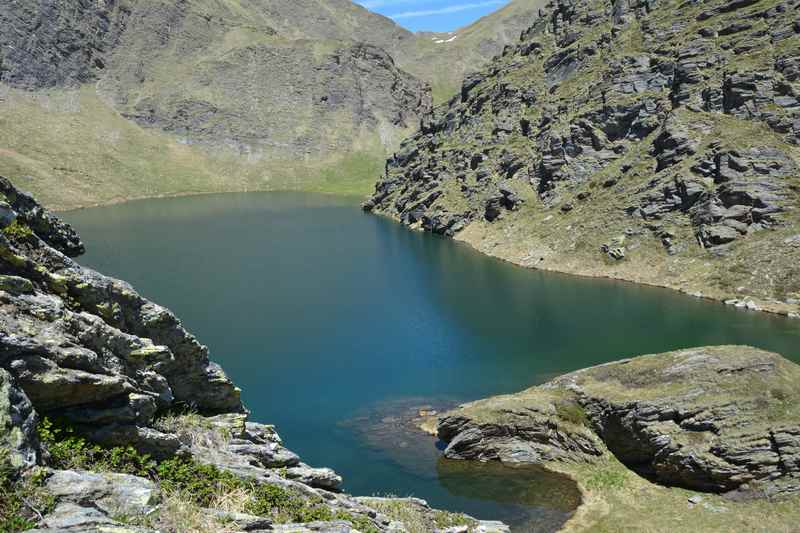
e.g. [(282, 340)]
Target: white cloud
[(445, 10)]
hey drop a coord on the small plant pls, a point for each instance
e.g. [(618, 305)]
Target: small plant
[(185, 480), (22, 500), (571, 411), (199, 482), (18, 230), (69, 451)]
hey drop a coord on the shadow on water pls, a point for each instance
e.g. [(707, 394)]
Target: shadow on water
[(317, 311), (528, 498)]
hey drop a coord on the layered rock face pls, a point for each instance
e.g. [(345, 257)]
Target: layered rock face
[(88, 348), (715, 419), (631, 139)]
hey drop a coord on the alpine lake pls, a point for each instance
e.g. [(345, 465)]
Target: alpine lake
[(345, 329)]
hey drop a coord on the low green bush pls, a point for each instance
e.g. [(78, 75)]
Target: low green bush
[(22, 499), (199, 484)]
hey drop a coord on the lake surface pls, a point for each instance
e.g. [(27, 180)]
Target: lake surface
[(337, 324)]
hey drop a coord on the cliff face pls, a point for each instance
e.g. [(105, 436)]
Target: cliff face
[(649, 141), (88, 348), (220, 73)]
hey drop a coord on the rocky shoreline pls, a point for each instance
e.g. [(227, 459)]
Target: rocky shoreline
[(114, 418), (719, 423), (789, 310), (653, 142)]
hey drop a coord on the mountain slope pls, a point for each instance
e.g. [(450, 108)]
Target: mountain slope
[(443, 59), (654, 142), (273, 93), (220, 95)]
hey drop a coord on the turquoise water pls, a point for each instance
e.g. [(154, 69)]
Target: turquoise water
[(336, 324)]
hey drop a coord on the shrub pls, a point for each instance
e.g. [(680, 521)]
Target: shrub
[(571, 411), (18, 230), (194, 484), (69, 451)]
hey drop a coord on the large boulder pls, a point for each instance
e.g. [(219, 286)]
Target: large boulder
[(712, 419), (114, 494)]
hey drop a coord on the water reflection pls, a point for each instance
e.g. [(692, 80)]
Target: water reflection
[(530, 498)]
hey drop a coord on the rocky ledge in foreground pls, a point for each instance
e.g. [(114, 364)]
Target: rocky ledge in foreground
[(113, 418), (714, 419)]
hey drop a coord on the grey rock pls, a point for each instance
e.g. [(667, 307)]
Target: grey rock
[(72, 518), (46, 225), (667, 414), (315, 527), (323, 478), (7, 215), (18, 423), (114, 494), (16, 285), (240, 521), (145, 439)]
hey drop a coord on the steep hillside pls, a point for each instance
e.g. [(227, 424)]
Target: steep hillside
[(151, 98), (275, 93), (443, 59), (650, 141)]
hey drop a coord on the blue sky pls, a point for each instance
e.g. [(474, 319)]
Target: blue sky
[(433, 15)]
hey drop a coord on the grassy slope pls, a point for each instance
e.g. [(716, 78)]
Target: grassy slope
[(71, 149), (616, 499)]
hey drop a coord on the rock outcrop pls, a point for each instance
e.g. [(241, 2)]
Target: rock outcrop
[(716, 419), (116, 370), (666, 132)]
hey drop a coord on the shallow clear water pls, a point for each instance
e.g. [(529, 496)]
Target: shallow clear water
[(330, 320)]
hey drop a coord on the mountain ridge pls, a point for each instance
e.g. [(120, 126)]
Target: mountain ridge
[(140, 98), (624, 141)]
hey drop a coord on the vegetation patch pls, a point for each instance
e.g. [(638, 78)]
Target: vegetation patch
[(572, 412), (22, 499), (416, 517), (603, 479), (18, 230), (188, 486)]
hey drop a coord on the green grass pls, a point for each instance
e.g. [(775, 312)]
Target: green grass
[(417, 518), (70, 149), (18, 230)]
